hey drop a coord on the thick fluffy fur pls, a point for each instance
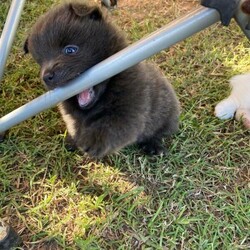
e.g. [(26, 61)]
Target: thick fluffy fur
[(238, 103), (135, 106)]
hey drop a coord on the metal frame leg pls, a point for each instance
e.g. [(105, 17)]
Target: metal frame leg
[(9, 32)]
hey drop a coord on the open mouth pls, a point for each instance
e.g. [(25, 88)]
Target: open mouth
[(86, 97)]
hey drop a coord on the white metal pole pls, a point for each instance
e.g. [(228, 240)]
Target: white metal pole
[(165, 37), (9, 31)]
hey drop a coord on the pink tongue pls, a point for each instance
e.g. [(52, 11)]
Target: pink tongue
[(84, 97)]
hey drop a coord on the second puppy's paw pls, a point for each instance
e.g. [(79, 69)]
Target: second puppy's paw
[(225, 109)]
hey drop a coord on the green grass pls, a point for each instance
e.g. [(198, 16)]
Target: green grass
[(195, 198)]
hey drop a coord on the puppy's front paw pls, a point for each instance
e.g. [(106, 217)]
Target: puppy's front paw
[(96, 151), (153, 148), (95, 145), (225, 109), (70, 144)]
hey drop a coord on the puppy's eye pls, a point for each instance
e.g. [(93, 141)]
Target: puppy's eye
[(70, 49)]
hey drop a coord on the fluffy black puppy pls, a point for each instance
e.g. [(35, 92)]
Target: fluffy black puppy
[(135, 106)]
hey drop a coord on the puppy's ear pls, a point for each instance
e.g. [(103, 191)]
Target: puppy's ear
[(82, 10), (26, 45)]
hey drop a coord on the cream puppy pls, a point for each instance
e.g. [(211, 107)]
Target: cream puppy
[(238, 103)]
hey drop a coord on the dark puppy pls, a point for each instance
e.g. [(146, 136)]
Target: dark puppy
[(135, 106)]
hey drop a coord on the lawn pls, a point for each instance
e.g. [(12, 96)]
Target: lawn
[(196, 197)]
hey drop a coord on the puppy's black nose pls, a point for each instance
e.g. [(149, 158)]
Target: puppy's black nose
[(49, 78)]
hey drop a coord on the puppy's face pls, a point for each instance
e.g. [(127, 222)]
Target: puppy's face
[(66, 42)]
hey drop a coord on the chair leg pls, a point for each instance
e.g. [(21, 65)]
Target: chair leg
[(9, 31)]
